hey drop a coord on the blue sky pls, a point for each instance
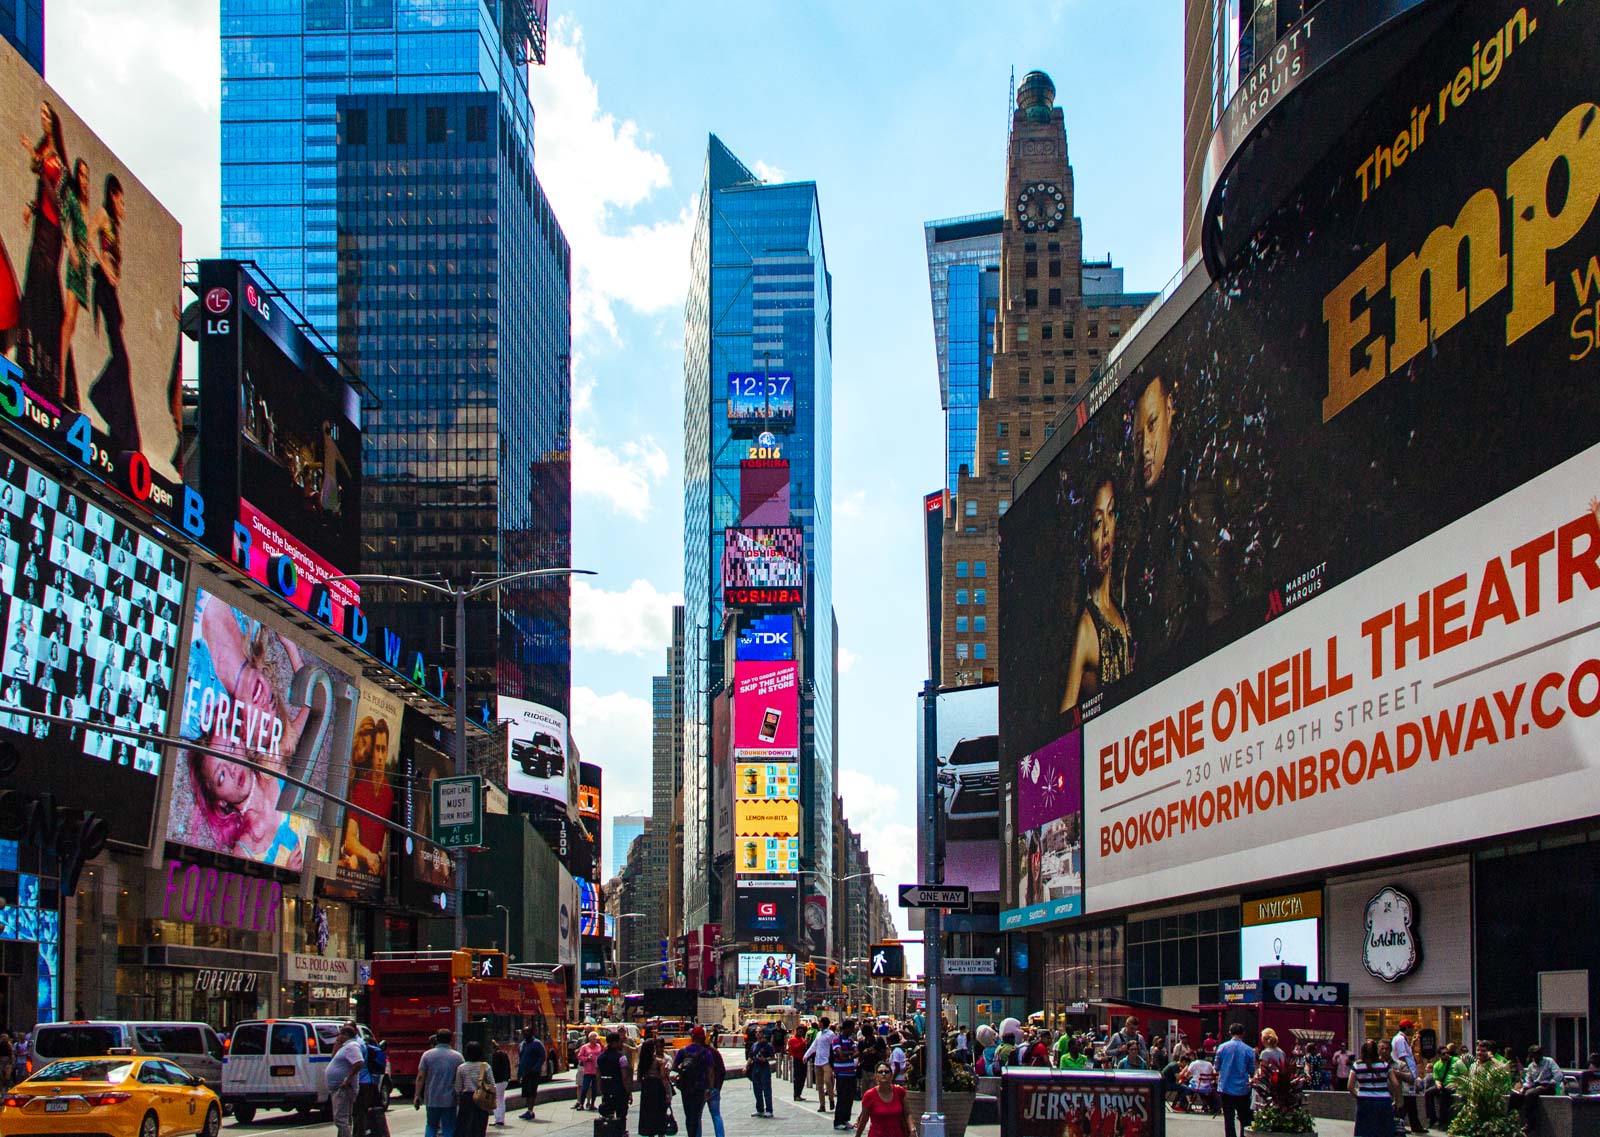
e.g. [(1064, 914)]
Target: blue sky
[(899, 112)]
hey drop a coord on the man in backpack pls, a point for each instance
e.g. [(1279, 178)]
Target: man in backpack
[(530, 1067), (845, 1063), (366, 1083), (696, 1072), (500, 1067)]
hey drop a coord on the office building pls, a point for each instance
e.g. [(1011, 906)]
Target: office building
[(758, 312), (665, 864), (964, 285), (22, 24), (1056, 318), (624, 829)]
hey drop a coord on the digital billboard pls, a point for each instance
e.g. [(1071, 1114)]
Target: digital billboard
[(766, 781), (764, 566), (1049, 849), (767, 856), (280, 441), (766, 818), (965, 768), (758, 969), (1319, 551), (765, 913), (766, 710), (764, 402), (374, 770), (92, 610), (766, 638), (763, 491), (589, 797), (90, 292), (1040, 1102), (589, 922), (430, 865), (239, 696), (536, 754)]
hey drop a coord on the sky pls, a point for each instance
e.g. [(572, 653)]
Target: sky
[(899, 113)]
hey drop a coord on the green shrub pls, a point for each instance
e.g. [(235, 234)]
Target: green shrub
[(1484, 1107)]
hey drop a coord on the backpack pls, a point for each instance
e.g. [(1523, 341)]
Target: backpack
[(691, 1073), (377, 1061), (1003, 1056)]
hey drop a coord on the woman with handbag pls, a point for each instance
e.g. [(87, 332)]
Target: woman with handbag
[(655, 1093), (474, 1093)]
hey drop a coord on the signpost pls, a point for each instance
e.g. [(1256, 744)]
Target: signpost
[(953, 896), (458, 812), (958, 966)]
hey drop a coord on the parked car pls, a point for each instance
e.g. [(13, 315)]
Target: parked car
[(192, 1046), (280, 1064)]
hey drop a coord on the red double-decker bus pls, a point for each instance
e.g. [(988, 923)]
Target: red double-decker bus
[(412, 995)]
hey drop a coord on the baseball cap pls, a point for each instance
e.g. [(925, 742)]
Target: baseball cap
[(1406, 1024), (697, 1034)]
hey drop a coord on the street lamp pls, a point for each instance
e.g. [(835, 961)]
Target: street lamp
[(481, 582), (505, 944)]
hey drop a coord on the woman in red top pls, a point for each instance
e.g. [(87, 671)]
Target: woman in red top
[(885, 1107)]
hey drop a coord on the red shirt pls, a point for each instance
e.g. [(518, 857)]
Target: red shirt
[(887, 1117), (797, 1046)]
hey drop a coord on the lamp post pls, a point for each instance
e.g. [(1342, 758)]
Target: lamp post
[(481, 582), (505, 943)]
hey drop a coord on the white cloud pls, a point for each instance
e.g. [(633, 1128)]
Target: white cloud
[(595, 168), (769, 173), (614, 731), (623, 477), (847, 659), (853, 504), (886, 819), (637, 621)]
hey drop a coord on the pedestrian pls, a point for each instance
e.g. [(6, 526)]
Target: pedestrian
[(1539, 1077), (474, 1093), (1118, 1043), (588, 1065), (436, 1086), (1236, 1062), (963, 1046), (368, 1080), (616, 1082), (797, 1064), (8, 1058), (759, 1071), (1405, 1060), (1072, 1057), (844, 1063), (898, 1062), (1372, 1082), (1589, 1076), (500, 1068), (884, 1107), (1341, 1067), (530, 1068), (818, 1054), (344, 1078), (1269, 1060), (698, 1070)]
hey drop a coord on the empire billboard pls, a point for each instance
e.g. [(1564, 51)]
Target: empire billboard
[(1316, 560)]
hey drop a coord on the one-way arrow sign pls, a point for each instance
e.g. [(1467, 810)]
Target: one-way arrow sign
[(935, 896)]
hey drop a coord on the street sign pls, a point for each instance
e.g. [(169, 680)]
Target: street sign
[(958, 966), (935, 896), (458, 812)]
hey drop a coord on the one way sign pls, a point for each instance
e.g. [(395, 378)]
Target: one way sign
[(935, 896)]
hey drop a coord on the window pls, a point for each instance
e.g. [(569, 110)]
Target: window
[(961, 569), (1048, 332), (1066, 331), (1030, 268), (355, 126), (1094, 330), (981, 596), (396, 126), (961, 595), (477, 124), (1055, 297), (980, 568), (980, 623), (153, 1074), (1024, 376), (1027, 455), (1030, 246), (1004, 505), (972, 508), (1022, 333), (1030, 297), (1001, 428), (1049, 376), (961, 623), (436, 125), (288, 1038), (1055, 246), (250, 1039), (961, 651), (1114, 331), (980, 651), (1004, 458), (1055, 268)]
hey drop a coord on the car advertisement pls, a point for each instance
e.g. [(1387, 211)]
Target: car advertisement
[(966, 772), (536, 750), (766, 710)]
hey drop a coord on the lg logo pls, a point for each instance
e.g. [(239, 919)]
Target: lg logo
[(256, 300), (219, 301)]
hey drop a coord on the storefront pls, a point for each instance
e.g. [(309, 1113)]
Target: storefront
[(1076, 967), (322, 940), (1402, 939), (319, 984)]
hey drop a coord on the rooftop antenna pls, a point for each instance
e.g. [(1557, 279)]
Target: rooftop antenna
[(1011, 102)]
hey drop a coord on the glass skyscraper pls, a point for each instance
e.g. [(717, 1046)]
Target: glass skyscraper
[(377, 162), (760, 295), (22, 23), (964, 282)]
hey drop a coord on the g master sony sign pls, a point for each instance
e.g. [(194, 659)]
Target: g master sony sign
[(1323, 555)]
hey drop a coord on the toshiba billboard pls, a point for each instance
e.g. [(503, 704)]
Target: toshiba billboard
[(1318, 572)]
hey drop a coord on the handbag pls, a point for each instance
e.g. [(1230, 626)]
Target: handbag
[(672, 1123), (484, 1096)]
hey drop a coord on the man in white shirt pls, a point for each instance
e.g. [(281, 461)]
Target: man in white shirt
[(819, 1054), (1410, 1079), (344, 1075)]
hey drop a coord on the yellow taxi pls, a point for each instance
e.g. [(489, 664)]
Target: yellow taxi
[(116, 1095)]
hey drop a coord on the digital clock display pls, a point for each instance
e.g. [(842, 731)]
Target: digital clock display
[(764, 400)]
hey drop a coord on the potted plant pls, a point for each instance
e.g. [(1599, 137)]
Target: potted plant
[(1284, 1109), (1484, 1108), (959, 1091)]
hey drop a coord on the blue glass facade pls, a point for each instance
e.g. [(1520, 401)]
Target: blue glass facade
[(964, 283), (378, 163), (759, 294), (22, 23)]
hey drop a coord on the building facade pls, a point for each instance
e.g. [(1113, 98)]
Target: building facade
[(666, 787), (759, 304), (1055, 318), (22, 24)]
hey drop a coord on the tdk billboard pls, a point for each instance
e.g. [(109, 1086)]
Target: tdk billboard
[(767, 638)]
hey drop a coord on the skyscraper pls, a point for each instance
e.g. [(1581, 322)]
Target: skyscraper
[(964, 285), (758, 314), (22, 24), (1057, 317), (665, 865), (378, 162)]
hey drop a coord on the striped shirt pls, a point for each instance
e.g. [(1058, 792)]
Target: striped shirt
[(1372, 1079)]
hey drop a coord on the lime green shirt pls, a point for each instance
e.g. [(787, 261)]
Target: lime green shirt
[(1068, 1062)]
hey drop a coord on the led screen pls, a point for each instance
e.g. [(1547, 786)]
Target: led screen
[(766, 710), (430, 864), (761, 401), (766, 818), (965, 768), (766, 781), (536, 757), (238, 697), (764, 557), (769, 638), (763, 491), (1049, 872), (92, 610), (757, 969), (764, 912), (1288, 941), (374, 770), (767, 856)]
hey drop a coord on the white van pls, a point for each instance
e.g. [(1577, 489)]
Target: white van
[(280, 1064), (193, 1046)]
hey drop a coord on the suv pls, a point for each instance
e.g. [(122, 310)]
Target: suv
[(193, 1046), (971, 780), (540, 756), (281, 1064)]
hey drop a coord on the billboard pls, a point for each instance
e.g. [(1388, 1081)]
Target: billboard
[(569, 938), (766, 710), (764, 566), (239, 696), (763, 491), (430, 864), (764, 402), (280, 441), (536, 752), (589, 797), (374, 770), (757, 969), (766, 818), (1039, 1102), (589, 922), (768, 856), (1319, 553), (766, 638), (91, 612), (766, 781), (90, 291), (966, 769), (765, 912), (1049, 848)]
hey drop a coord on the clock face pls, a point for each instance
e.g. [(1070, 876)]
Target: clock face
[(1040, 206)]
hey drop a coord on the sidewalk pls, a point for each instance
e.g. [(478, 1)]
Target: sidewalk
[(564, 1086)]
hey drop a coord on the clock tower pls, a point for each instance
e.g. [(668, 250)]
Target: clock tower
[(1057, 319)]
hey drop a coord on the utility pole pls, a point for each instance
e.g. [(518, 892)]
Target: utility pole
[(932, 956)]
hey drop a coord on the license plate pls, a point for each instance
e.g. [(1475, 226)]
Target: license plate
[(57, 1106), (283, 1071)]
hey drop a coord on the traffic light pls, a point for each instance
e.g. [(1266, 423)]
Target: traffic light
[(811, 974), (887, 961), (833, 975), (477, 902)]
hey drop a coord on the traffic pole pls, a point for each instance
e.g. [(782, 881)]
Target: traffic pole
[(932, 956)]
